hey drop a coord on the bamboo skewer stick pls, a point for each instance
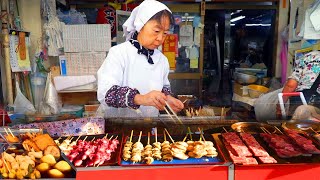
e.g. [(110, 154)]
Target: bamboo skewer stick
[(174, 113), (5, 163), (106, 136), (85, 138), (184, 101), (131, 136), (110, 137), (156, 134), (93, 139), (78, 138), (190, 133), (148, 138), (116, 137), (201, 134), (224, 129), (11, 132), (169, 135), (184, 139), (266, 130), (140, 136), (263, 130), (314, 130), (71, 138), (169, 114), (6, 131), (164, 136), (278, 129)]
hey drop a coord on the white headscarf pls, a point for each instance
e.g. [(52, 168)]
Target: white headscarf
[(140, 16)]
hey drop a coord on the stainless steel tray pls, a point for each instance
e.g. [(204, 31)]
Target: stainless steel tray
[(302, 125), (252, 127)]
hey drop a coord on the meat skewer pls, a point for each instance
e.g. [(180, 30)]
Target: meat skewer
[(169, 135), (278, 129), (166, 149), (190, 133)]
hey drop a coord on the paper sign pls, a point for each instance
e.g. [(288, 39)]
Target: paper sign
[(186, 35), (170, 49)]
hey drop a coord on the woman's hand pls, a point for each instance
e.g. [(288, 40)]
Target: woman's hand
[(175, 104), (153, 98)]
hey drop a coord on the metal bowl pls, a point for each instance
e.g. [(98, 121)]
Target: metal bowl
[(252, 127), (243, 78)]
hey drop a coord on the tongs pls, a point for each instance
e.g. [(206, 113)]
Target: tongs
[(175, 115)]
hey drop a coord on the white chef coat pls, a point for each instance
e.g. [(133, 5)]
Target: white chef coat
[(125, 67)]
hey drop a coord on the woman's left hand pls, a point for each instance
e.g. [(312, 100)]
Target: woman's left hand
[(174, 103)]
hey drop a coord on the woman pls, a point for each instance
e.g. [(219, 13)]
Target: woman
[(305, 78), (135, 74)]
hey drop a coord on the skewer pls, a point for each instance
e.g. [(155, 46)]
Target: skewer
[(140, 136), (278, 129), (169, 135), (93, 139), (184, 139), (201, 134), (174, 113), (6, 131), (169, 114), (224, 129), (156, 134), (184, 101), (190, 133), (164, 136), (78, 138), (314, 130), (116, 137), (58, 138), (5, 163), (148, 138), (71, 138), (266, 130), (263, 130), (110, 137), (105, 136), (222, 113), (11, 132), (85, 138), (131, 135)]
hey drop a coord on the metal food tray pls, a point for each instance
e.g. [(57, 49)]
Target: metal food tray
[(252, 127), (190, 161), (315, 158), (114, 155), (302, 125)]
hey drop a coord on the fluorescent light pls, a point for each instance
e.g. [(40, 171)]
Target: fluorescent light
[(258, 24), (232, 24), (237, 18), (236, 12)]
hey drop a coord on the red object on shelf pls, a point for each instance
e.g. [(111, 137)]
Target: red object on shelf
[(4, 116)]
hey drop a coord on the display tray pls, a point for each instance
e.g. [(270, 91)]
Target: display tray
[(71, 174), (114, 155), (190, 161), (302, 125), (315, 158), (252, 127)]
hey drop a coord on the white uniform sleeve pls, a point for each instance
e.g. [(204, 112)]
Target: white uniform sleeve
[(166, 82), (110, 74)]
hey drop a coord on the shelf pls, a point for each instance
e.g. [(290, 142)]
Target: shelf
[(79, 91), (185, 76)]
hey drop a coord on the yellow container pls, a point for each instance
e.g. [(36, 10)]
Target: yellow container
[(256, 90)]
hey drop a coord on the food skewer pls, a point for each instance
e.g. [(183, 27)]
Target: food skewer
[(201, 134), (164, 136), (93, 139), (139, 136), (278, 129), (148, 138), (105, 136), (131, 135), (169, 135), (71, 138), (78, 138), (85, 138), (169, 114), (185, 137), (11, 132), (190, 133), (224, 129), (156, 134), (5, 163), (6, 131), (263, 130), (267, 130), (111, 137), (314, 130)]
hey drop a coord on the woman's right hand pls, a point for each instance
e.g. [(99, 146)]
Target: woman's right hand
[(153, 98)]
